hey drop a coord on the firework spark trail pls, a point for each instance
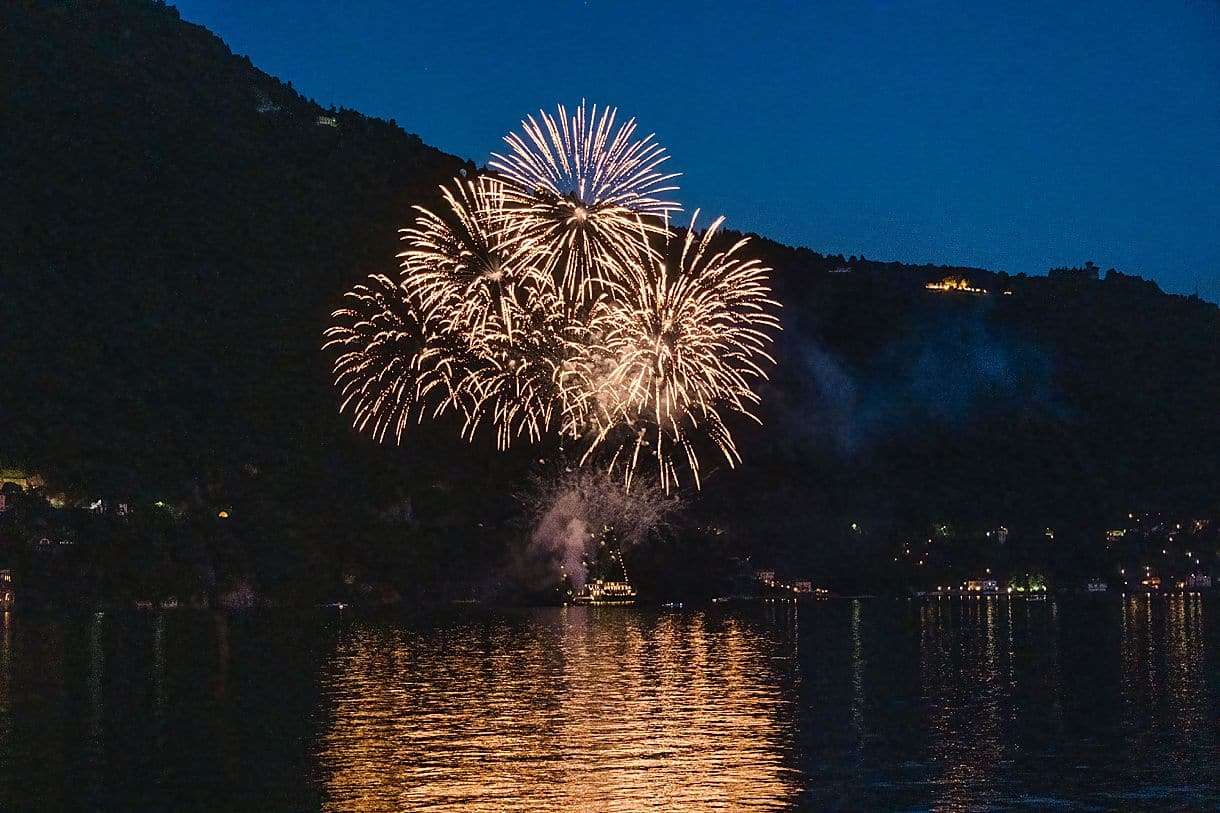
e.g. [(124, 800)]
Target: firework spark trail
[(518, 385), (555, 298), (395, 365), (582, 187), (688, 340), (390, 368), (467, 265), (474, 274)]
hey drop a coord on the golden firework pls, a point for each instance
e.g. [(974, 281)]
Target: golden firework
[(468, 265), (687, 341), (391, 366), (553, 297), (582, 186)]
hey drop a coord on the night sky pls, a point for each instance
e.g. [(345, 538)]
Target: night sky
[(1013, 136)]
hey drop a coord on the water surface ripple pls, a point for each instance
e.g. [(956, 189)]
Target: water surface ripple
[(1100, 703)]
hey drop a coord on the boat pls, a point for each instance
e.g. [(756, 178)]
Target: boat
[(608, 581), (600, 591)]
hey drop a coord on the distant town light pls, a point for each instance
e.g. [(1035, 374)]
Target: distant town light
[(954, 283)]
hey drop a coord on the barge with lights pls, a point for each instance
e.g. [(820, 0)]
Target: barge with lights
[(601, 592)]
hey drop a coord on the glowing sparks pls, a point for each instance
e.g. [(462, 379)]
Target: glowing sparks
[(390, 366), (583, 187), (554, 298), (688, 339), (466, 265), (573, 511)]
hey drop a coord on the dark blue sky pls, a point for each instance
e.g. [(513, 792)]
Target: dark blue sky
[(1014, 136)]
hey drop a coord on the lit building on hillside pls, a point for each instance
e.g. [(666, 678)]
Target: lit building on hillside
[(27, 481), (955, 284)]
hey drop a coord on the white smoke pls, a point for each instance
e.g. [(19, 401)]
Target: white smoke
[(569, 513), (561, 537)]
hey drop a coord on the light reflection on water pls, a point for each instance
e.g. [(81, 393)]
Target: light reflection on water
[(1168, 704), (960, 680), (951, 704), (578, 709)]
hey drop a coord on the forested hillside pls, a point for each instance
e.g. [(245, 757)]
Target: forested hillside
[(177, 226)]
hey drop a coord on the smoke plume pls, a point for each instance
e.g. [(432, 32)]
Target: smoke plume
[(569, 513), (948, 371)]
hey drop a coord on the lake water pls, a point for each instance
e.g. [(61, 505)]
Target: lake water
[(875, 704)]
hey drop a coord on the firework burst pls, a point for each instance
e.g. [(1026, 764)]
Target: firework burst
[(468, 265), (583, 185), (687, 341), (470, 319), (528, 383), (391, 367), (553, 298)]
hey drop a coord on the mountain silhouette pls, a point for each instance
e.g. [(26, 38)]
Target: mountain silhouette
[(178, 225)]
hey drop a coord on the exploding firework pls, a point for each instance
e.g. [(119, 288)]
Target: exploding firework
[(583, 187), (467, 264), (471, 326), (390, 367), (687, 342), (470, 268), (553, 298), (528, 384)]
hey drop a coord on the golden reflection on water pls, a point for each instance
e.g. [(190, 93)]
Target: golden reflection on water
[(576, 709), (961, 689), (1164, 668), (1185, 681), (6, 662)]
